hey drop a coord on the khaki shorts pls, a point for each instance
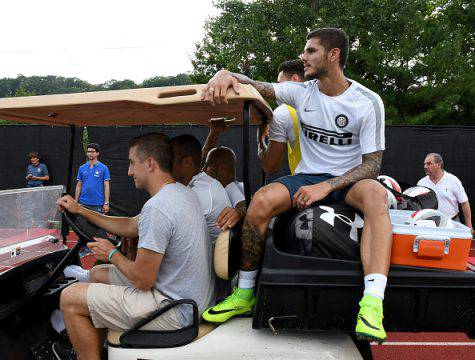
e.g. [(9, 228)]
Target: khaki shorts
[(120, 306)]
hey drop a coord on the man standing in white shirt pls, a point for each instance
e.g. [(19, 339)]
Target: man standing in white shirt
[(448, 187), (341, 143), (187, 171)]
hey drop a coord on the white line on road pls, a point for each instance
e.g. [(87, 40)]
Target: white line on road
[(431, 343)]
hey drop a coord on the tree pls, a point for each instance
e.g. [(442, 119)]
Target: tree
[(157, 81), (417, 54), (118, 85)]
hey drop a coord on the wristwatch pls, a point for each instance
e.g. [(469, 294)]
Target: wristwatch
[(106, 203)]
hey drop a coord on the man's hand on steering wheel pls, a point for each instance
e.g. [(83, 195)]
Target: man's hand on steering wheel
[(68, 203), (101, 248)]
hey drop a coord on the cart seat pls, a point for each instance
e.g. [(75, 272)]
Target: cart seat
[(113, 336)]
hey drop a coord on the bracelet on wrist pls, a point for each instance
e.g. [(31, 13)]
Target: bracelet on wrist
[(111, 254)]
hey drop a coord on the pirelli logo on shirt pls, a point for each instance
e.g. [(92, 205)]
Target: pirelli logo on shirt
[(326, 136)]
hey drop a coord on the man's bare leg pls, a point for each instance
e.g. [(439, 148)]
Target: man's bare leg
[(86, 339), (371, 198), (269, 201)]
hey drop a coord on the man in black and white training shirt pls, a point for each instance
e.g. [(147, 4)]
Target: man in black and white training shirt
[(342, 141), (173, 258)]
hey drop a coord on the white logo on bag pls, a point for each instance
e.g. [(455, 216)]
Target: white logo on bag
[(304, 225), (330, 215)]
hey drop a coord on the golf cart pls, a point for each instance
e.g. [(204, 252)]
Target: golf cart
[(28, 323)]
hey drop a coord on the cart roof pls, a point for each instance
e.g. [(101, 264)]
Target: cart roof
[(149, 106)]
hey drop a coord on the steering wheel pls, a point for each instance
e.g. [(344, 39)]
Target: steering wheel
[(86, 231), (83, 228)]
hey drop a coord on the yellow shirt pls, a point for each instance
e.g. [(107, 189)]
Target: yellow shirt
[(293, 153)]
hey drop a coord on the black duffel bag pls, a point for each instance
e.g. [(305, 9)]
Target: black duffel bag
[(332, 231)]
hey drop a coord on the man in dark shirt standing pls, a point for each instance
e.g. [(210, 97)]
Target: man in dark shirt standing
[(37, 172)]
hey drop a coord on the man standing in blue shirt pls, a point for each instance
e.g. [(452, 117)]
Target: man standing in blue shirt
[(92, 189), (36, 173)]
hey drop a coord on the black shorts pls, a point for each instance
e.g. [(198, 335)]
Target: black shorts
[(294, 182)]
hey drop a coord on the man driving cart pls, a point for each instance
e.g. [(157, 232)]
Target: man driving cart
[(173, 260)]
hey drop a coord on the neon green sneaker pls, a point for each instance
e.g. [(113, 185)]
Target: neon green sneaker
[(369, 325), (231, 306)]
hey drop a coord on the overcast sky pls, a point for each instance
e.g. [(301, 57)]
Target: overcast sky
[(100, 40)]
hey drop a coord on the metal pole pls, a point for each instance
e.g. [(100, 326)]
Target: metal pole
[(72, 137), (246, 115)]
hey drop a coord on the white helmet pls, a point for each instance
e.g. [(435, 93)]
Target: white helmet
[(392, 203), (389, 182), (415, 191), (429, 217)]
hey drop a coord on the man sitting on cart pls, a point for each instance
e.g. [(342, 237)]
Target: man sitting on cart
[(220, 163), (342, 142), (173, 258)]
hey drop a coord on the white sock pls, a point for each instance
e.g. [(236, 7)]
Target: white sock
[(374, 285), (57, 320), (247, 279), (77, 272)]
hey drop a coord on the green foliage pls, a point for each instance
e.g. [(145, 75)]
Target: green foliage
[(417, 54), (118, 85), (157, 81), (45, 85)]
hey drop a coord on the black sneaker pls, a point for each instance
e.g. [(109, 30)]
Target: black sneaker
[(63, 351)]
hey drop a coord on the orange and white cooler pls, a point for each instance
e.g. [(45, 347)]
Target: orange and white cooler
[(425, 246)]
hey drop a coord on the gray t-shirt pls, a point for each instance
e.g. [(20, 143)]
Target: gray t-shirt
[(171, 223)]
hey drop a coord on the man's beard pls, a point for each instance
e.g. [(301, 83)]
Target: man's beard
[(318, 74)]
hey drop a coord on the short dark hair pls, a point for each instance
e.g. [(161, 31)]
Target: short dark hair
[(332, 38), (292, 67), (154, 145), (188, 145), (34, 154), (94, 146), (222, 156)]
